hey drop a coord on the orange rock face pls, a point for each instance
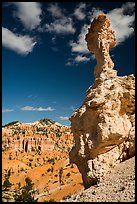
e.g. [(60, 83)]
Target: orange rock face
[(38, 150)]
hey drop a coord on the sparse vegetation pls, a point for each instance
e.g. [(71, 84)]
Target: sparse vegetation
[(32, 149), (55, 181), (10, 156), (58, 134), (9, 124), (60, 174), (68, 174), (51, 200), (22, 169), (48, 170), (6, 184), (47, 121), (67, 196), (52, 160), (24, 194), (37, 151)]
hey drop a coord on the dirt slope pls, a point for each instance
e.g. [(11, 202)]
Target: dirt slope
[(118, 186)]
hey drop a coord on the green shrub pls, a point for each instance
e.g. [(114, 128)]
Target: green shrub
[(68, 174), (6, 184), (24, 194), (55, 182), (51, 161), (60, 174), (51, 200)]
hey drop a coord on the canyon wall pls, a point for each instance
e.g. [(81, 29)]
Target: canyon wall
[(103, 127), (22, 143), (38, 137)]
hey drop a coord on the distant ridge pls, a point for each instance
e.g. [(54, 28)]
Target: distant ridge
[(47, 121), (11, 123), (44, 121)]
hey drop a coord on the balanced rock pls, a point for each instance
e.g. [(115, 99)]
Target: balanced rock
[(103, 127)]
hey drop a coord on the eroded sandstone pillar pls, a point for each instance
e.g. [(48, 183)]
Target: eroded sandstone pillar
[(100, 38), (103, 127)]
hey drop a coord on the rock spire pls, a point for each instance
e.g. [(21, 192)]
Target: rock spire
[(103, 127), (100, 39)]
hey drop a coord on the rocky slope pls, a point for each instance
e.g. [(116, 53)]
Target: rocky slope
[(103, 127), (39, 150), (118, 186)]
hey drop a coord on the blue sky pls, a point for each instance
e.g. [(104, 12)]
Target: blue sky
[(46, 66)]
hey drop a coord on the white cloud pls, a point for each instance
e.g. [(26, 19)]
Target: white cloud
[(80, 46), (78, 59), (79, 11), (30, 108), (18, 43), (93, 57), (29, 13), (53, 40), (55, 10), (7, 110), (122, 21), (129, 6), (94, 12), (64, 118), (62, 24), (70, 62)]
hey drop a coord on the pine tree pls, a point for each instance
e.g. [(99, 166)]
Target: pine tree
[(7, 184), (60, 174), (24, 194)]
